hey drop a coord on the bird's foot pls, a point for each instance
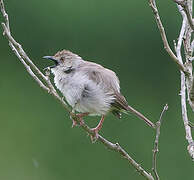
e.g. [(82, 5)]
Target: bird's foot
[(81, 115), (95, 135), (95, 130), (81, 121), (74, 123)]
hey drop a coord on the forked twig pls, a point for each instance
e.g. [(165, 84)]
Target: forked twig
[(156, 143), (181, 67)]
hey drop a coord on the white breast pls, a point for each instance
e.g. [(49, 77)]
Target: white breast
[(97, 101)]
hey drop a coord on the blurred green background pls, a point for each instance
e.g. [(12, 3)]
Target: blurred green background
[(37, 141)]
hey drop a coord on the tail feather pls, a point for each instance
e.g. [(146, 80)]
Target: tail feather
[(120, 105), (141, 116)]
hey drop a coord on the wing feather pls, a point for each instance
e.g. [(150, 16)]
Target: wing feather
[(109, 82), (100, 75)]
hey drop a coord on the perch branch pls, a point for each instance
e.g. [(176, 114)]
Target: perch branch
[(20, 53), (6, 32), (156, 142), (181, 67)]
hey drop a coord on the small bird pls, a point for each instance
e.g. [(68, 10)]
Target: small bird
[(89, 88)]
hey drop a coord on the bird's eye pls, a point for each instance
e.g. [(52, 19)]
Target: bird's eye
[(69, 70), (62, 59)]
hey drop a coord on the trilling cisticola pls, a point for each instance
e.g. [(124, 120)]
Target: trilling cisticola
[(89, 88)]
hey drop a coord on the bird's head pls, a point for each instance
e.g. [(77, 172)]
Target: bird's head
[(65, 61)]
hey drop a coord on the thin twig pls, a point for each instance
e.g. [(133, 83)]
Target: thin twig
[(5, 15), (152, 4), (191, 124), (185, 7), (20, 53), (156, 142)]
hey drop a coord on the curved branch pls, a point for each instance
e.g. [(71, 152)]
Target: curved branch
[(28, 68), (20, 53)]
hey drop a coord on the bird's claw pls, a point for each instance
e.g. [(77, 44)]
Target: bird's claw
[(74, 122), (95, 135)]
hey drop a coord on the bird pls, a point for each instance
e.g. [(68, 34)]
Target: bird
[(89, 88)]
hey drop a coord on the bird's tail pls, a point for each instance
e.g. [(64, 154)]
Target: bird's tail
[(141, 116)]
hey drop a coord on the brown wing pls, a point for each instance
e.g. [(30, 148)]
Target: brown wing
[(110, 82), (101, 75), (119, 105), (120, 102)]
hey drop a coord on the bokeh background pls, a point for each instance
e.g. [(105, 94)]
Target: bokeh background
[(37, 141)]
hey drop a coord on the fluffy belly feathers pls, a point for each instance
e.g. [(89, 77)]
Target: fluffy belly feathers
[(85, 96)]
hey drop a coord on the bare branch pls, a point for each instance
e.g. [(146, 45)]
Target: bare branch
[(184, 29), (181, 67), (185, 116), (117, 148), (181, 35), (6, 32), (185, 68), (20, 53), (185, 7), (23, 54), (185, 34), (5, 15), (156, 143)]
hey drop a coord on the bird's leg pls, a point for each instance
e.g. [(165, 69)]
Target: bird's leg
[(80, 116), (97, 129), (74, 123)]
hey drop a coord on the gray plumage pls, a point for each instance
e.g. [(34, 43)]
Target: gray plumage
[(89, 87)]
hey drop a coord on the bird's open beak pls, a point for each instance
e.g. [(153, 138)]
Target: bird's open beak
[(52, 59)]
